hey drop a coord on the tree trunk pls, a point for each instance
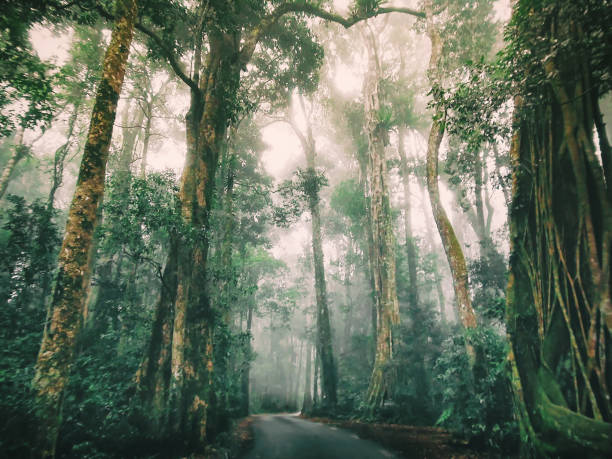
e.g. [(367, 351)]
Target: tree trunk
[(381, 381), (307, 402), (62, 152), (453, 250), (410, 248), (19, 152), (192, 341), (247, 366), (415, 309), (153, 375), (57, 348), (559, 312), (146, 137), (329, 377), (348, 319), (315, 381), (364, 182)]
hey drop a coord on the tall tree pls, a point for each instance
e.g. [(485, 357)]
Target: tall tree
[(383, 257), (453, 250), (58, 345), (312, 185)]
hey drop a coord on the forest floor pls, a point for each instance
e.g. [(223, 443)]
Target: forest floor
[(410, 441), (239, 441)]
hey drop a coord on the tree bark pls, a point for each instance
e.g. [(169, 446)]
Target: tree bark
[(381, 381), (558, 303), (453, 250), (57, 348)]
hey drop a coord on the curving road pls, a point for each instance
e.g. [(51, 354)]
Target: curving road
[(286, 436)]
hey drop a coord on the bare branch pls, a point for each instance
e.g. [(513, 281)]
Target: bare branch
[(312, 10), (169, 55)]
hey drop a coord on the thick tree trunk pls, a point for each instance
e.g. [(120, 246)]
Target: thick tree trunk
[(328, 367), (559, 311), (192, 342), (57, 349), (381, 381)]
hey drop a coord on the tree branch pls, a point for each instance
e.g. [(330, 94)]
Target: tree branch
[(169, 55), (301, 6)]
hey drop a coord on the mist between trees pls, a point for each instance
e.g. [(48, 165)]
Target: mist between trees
[(394, 212)]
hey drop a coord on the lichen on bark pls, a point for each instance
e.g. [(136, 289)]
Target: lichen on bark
[(59, 339)]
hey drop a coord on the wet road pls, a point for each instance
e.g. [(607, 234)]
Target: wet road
[(287, 436)]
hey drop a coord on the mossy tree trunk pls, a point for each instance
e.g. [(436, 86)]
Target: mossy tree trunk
[(559, 313), (381, 381), (59, 340), (454, 253)]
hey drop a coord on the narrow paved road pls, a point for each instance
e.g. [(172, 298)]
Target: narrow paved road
[(286, 436)]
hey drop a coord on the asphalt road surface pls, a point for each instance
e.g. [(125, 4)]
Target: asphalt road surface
[(286, 436)]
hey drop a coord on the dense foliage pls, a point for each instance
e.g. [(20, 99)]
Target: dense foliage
[(288, 206)]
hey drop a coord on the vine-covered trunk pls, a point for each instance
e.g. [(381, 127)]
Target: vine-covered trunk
[(559, 311), (59, 339), (454, 253), (387, 304)]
